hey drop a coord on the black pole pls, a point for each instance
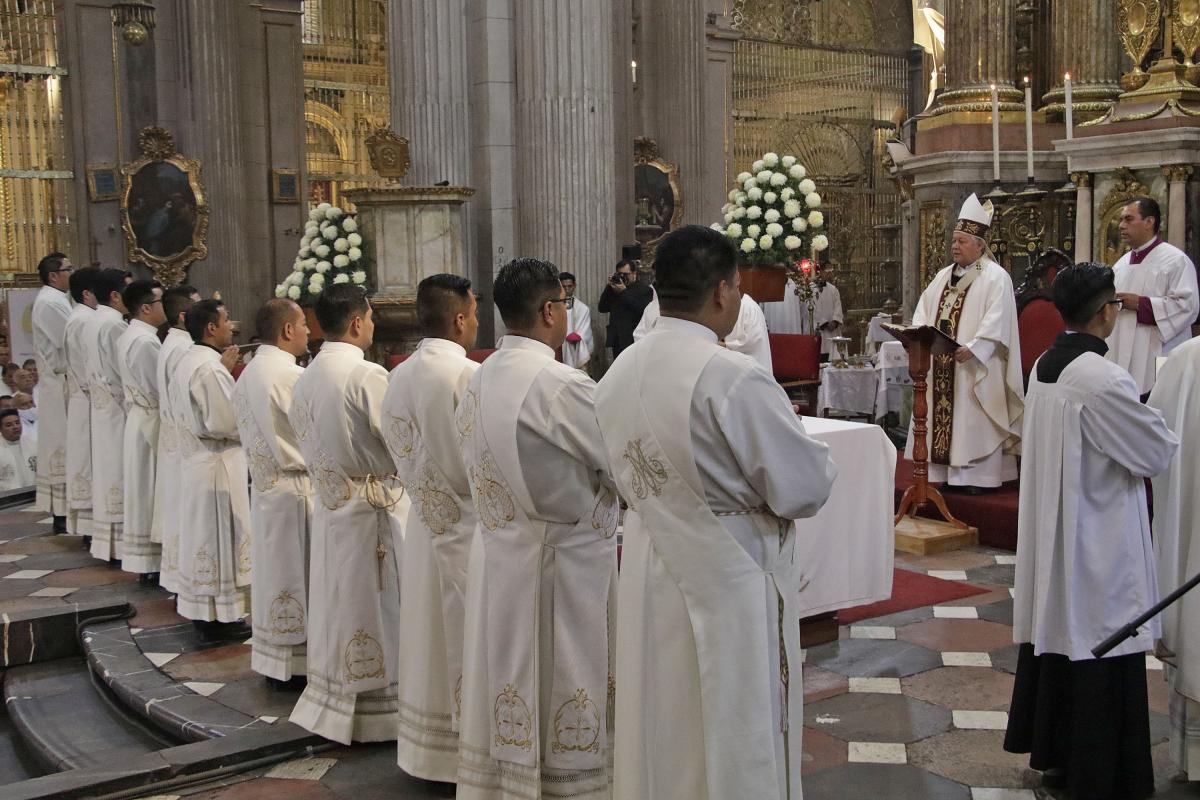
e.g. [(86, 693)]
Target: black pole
[(1130, 630)]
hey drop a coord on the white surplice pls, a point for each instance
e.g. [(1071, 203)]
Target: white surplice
[(714, 464), (1168, 277), (51, 308), (1177, 545), (167, 517), (788, 315), (418, 422), (357, 536), (827, 307), (79, 423), (138, 350), (107, 395), (536, 712), (579, 321), (749, 334), (1085, 563), (280, 513), (17, 461), (988, 389), (214, 503)]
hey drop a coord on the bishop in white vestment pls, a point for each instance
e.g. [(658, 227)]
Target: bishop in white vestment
[(749, 334), (79, 407), (17, 456), (1177, 548), (357, 530), (1156, 283), (137, 353), (1085, 563), (714, 464), (418, 422), (536, 696), (976, 394), (214, 503), (107, 395), (280, 495), (577, 349), (51, 308)]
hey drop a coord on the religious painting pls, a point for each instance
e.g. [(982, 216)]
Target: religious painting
[(163, 211), (656, 193), (285, 186), (103, 182)]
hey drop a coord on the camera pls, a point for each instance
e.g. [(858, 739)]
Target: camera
[(618, 277)]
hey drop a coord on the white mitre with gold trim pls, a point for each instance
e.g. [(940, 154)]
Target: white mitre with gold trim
[(975, 218)]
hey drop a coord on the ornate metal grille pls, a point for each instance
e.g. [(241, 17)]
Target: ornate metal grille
[(35, 170)]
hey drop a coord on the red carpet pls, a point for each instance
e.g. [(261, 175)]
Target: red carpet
[(994, 513), (910, 590)]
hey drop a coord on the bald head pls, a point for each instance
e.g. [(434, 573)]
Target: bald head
[(280, 322)]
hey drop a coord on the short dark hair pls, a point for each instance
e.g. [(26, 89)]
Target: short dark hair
[(9, 369), (439, 299), (177, 300), (50, 263), (1148, 207), (566, 276), (83, 280), (25, 364), (626, 262), (689, 264), (9, 412), (138, 294), (1079, 291), (521, 287), (338, 304), (200, 316), (108, 280), (271, 317)]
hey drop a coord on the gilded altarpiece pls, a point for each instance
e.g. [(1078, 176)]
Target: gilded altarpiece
[(1025, 227), (934, 253)]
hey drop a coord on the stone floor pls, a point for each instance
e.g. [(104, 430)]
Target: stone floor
[(910, 705)]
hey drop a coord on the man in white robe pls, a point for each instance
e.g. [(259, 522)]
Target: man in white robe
[(577, 349), (1177, 548), (714, 464), (51, 308), (137, 352), (107, 395), (167, 520), (975, 395), (788, 315), (214, 502), (418, 422), (17, 456), (536, 701), (827, 311), (1085, 563), (749, 334), (79, 407), (357, 530), (1156, 283), (280, 496)]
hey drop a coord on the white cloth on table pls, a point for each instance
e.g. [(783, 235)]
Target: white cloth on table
[(168, 519), (79, 423), (137, 351), (853, 389), (876, 335), (51, 309)]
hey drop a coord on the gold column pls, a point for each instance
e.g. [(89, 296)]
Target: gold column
[(1095, 68), (980, 51)]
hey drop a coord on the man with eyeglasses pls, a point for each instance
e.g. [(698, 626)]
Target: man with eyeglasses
[(1084, 555), (51, 308)]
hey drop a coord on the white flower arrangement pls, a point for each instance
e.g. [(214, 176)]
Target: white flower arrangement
[(330, 252), (781, 202), (820, 242)]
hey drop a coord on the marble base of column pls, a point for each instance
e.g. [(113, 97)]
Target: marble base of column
[(1177, 203)]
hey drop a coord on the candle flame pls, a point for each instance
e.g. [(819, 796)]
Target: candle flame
[(1026, 80), (993, 87), (1067, 76)]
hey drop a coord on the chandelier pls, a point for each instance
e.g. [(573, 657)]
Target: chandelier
[(135, 18)]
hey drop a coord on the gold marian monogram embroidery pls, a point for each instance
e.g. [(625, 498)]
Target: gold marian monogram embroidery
[(331, 485), (301, 418), (286, 614), (464, 419), (115, 504), (58, 464), (514, 723), (577, 726), (493, 500), (649, 474), (243, 556), (401, 436), (204, 568), (263, 469), (439, 509), (605, 514), (364, 657)]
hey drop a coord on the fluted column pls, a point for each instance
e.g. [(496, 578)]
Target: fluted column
[(1083, 216), (1085, 45), (427, 56), (980, 51), (1177, 177), (564, 125)]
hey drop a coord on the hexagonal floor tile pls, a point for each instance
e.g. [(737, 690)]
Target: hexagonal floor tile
[(821, 751), (877, 718), (973, 688), (1001, 612), (994, 575), (976, 758), (971, 635), (821, 683), (881, 782), (874, 658)]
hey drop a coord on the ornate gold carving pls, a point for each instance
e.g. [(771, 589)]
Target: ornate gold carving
[(1125, 187), (1137, 26), (1177, 173), (904, 183), (286, 614), (389, 154), (514, 723), (493, 500), (933, 239), (577, 726), (1082, 180), (648, 475), (363, 657), (156, 142), (1185, 22)]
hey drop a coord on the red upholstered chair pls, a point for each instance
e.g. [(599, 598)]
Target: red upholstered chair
[(1038, 325), (395, 361), (796, 361), (480, 355)]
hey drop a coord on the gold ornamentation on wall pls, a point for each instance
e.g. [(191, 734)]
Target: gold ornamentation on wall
[(1175, 173), (933, 240), (389, 154), (657, 193), (1137, 26), (1125, 187), (1082, 180), (1185, 22)]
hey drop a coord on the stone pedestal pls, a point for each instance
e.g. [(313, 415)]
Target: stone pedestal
[(409, 233)]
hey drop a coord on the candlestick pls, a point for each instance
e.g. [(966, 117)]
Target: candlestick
[(995, 135), (1028, 129), (1070, 106)]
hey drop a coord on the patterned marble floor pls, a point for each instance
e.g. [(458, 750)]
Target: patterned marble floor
[(910, 705)]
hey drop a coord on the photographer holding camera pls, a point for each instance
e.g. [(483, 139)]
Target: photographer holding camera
[(624, 300)]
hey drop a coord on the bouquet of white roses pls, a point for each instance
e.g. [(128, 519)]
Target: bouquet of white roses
[(329, 253), (773, 215)]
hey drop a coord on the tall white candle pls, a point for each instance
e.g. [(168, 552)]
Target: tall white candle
[(1070, 106), (995, 135), (1028, 129)]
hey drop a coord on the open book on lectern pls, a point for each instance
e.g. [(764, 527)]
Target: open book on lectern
[(933, 339)]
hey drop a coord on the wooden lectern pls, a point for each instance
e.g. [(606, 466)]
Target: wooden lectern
[(922, 343)]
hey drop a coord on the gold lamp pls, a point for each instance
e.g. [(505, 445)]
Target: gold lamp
[(135, 18)]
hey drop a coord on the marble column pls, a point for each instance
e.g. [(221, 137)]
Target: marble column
[(564, 133), (1085, 44), (980, 51), (1083, 216), (1176, 221)]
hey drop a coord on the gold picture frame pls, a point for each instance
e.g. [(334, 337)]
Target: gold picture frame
[(164, 213), (104, 182), (1125, 188), (285, 186), (657, 194)]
